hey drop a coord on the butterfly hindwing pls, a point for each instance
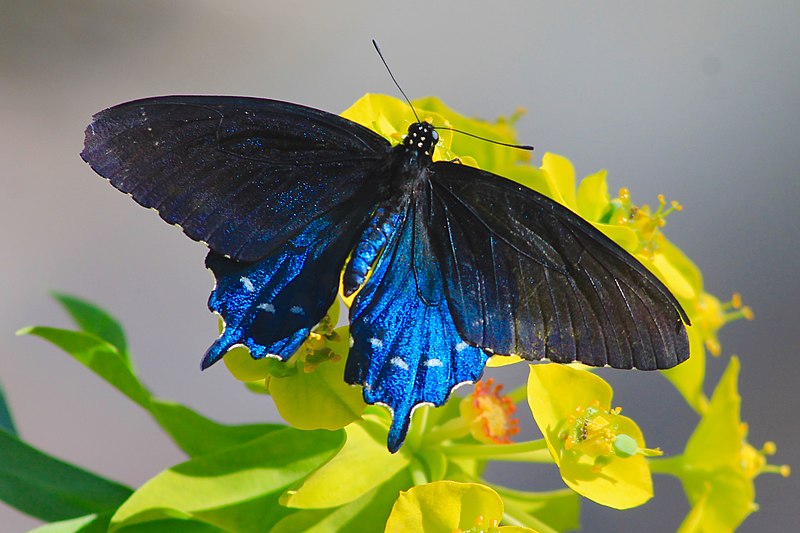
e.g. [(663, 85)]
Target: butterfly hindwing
[(405, 346), (526, 276), (271, 305), (240, 174)]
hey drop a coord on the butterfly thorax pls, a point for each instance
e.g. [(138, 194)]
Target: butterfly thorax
[(420, 141), (410, 163), (409, 167)]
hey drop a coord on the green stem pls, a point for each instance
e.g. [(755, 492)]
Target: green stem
[(454, 428), (502, 452), (417, 470), (519, 394), (418, 425), (539, 497), (672, 466)]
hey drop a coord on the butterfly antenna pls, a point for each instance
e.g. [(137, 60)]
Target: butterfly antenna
[(385, 64), (519, 146)]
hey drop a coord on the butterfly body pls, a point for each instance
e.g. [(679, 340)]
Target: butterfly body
[(448, 264)]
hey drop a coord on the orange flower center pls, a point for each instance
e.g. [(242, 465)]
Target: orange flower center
[(492, 414)]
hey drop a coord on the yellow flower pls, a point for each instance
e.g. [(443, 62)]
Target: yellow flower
[(390, 118), (309, 389), (489, 156), (489, 413), (638, 229), (713, 314), (718, 466), (449, 507), (600, 453)]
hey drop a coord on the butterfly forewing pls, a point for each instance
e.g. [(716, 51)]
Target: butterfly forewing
[(567, 294), (241, 174)]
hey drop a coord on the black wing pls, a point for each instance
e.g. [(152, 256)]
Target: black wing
[(526, 276), (240, 174)]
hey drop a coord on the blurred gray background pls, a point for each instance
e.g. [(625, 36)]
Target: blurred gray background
[(697, 100)]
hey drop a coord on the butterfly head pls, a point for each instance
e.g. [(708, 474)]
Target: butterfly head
[(421, 137)]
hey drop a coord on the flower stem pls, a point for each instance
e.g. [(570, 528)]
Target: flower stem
[(417, 430), (417, 470), (519, 394), (672, 466), (534, 451), (454, 428)]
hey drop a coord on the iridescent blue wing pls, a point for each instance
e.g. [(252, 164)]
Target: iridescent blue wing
[(405, 346), (527, 276), (271, 305), (277, 191), (241, 174)]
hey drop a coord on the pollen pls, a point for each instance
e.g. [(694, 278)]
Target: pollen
[(643, 220), (315, 350), (594, 432), (590, 431)]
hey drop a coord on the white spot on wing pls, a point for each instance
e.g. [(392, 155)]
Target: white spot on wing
[(296, 309), (248, 285), (376, 343), (433, 362), (269, 308), (399, 363), (461, 346)]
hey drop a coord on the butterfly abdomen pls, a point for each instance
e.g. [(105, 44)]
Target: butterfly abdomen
[(408, 168), (383, 223)]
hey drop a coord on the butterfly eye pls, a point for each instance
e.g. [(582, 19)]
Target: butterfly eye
[(434, 136)]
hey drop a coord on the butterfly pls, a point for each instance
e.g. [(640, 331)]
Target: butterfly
[(449, 264)]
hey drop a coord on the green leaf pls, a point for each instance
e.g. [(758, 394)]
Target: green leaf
[(49, 489), (235, 489), (367, 513), (192, 432), (6, 422), (198, 435), (171, 525), (100, 356), (92, 523), (92, 319), (363, 454)]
